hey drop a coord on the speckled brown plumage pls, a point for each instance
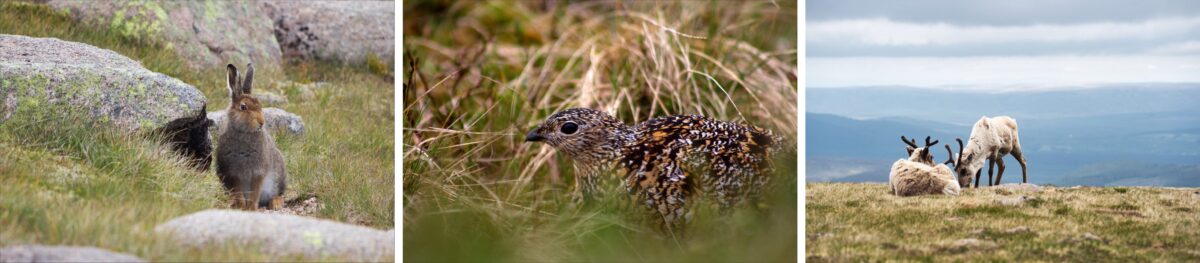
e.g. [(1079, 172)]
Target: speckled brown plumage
[(662, 156)]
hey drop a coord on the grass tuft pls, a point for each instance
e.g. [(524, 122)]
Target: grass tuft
[(478, 76)]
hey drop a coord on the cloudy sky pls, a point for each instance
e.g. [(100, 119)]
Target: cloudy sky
[(983, 44)]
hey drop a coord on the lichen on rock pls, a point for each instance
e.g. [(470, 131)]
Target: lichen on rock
[(208, 34), (55, 80), (41, 72), (281, 235), (347, 31)]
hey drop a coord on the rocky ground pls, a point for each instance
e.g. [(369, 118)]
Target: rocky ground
[(213, 33)]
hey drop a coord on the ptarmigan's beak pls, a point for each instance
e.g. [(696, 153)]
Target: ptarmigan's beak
[(533, 136)]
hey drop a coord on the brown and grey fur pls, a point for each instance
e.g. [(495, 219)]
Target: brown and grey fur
[(662, 157), (918, 175), (248, 163)]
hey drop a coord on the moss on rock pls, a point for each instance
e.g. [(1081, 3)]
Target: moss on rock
[(101, 84)]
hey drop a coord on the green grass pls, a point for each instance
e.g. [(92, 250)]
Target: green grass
[(480, 75), (69, 182), (1130, 224)]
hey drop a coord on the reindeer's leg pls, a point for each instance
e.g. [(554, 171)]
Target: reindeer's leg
[(978, 174), (1016, 153), (991, 167), (999, 162)]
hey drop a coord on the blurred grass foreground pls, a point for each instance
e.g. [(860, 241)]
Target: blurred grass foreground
[(478, 75)]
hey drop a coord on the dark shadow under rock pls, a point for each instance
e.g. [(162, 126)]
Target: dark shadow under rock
[(189, 137)]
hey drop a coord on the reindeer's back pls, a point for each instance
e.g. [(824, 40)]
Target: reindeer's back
[(1006, 121), (1006, 128), (909, 178)]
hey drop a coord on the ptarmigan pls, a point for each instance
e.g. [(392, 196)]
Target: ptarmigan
[(663, 156)]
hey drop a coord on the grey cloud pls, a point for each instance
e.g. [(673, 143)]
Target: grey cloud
[(1176, 46), (1002, 13), (888, 37)]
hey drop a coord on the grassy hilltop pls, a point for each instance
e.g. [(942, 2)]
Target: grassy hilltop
[(861, 221), (480, 74), (65, 181)]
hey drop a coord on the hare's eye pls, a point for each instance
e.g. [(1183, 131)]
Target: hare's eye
[(243, 106), (569, 128)]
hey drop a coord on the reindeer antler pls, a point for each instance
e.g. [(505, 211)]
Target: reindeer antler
[(912, 143), (927, 143), (950, 156), (960, 151)]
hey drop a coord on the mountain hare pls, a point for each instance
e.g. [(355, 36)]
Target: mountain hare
[(248, 163)]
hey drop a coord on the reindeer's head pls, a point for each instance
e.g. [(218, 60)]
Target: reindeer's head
[(964, 164), (918, 153)]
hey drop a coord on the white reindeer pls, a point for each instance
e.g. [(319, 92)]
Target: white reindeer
[(991, 139), (918, 175)]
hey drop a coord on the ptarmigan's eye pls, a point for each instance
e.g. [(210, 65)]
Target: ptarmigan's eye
[(569, 128)]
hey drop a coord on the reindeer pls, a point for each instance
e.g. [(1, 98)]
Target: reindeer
[(918, 175), (991, 139)]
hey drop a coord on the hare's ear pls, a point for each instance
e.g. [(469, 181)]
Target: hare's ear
[(249, 78), (203, 111), (233, 81)]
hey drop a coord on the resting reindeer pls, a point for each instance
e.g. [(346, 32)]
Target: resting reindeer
[(991, 139), (918, 175)]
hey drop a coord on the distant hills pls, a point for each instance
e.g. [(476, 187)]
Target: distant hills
[(1144, 134), (964, 106)]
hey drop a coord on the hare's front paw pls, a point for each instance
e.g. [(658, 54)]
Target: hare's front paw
[(277, 202), (241, 202)]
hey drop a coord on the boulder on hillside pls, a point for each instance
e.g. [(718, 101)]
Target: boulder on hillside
[(51, 77), (36, 253), (281, 235), (347, 31), (207, 34), (36, 73)]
